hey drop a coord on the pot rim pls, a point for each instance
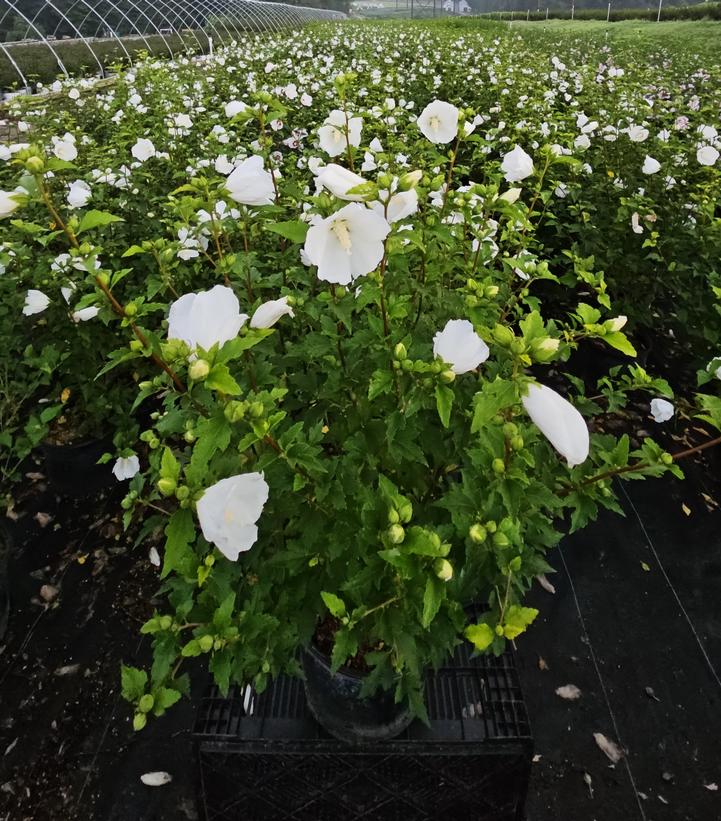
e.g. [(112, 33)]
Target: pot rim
[(312, 650)]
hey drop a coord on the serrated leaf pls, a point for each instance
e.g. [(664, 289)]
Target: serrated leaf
[(480, 635), (620, 342), (219, 379), (335, 604), (133, 682), (180, 534), (380, 383)]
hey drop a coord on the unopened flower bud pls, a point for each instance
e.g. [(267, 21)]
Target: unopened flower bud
[(448, 377), (500, 539), (139, 721), (393, 516), (234, 411), (167, 486), (396, 534), (614, 325), (205, 643), (503, 335), (35, 165), (405, 511), (443, 569), (410, 180), (182, 492), (131, 309), (199, 370), (498, 466), (400, 351), (145, 705), (478, 533), (545, 348)]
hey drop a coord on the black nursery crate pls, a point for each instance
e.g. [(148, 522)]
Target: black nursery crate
[(264, 757)]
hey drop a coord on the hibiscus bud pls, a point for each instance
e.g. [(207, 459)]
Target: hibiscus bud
[(407, 364), (400, 351), (199, 370), (136, 345), (478, 533), (614, 325), (205, 643), (500, 539), (234, 411), (396, 534), (385, 180), (393, 516), (517, 442), (491, 526), (131, 309), (139, 721), (510, 429), (443, 569), (518, 346), (410, 180), (544, 349), (35, 165), (166, 622), (471, 284), (167, 486), (145, 385), (667, 459), (503, 335), (471, 300), (447, 377), (256, 409), (405, 511), (490, 291), (182, 492), (499, 629), (499, 466), (103, 278), (145, 705), (189, 436)]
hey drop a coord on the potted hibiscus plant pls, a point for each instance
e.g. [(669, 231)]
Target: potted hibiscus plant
[(347, 455)]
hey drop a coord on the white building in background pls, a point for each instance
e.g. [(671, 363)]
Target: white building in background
[(457, 6)]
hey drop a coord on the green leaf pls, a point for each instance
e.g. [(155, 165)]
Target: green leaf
[(133, 682), (444, 403), (96, 219), (180, 535), (221, 617), (294, 230), (480, 635), (169, 465), (432, 598), (219, 379), (213, 435), (423, 542), (220, 666), (517, 619), (619, 341), (334, 604), (165, 697), (381, 382), (344, 645), (492, 397)]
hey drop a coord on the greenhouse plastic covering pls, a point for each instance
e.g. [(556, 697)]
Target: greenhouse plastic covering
[(157, 26)]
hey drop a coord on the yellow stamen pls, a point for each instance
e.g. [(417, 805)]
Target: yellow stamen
[(340, 229)]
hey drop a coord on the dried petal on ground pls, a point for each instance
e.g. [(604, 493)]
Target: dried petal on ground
[(568, 691), (613, 752), (43, 519), (156, 779), (48, 592), (545, 584)]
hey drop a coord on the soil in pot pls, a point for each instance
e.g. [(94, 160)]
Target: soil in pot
[(336, 703)]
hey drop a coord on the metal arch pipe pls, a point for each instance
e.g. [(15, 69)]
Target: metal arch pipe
[(23, 78), (211, 9), (158, 32), (103, 21), (86, 43), (41, 37), (269, 12), (173, 7), (240, 7), (225, 19)]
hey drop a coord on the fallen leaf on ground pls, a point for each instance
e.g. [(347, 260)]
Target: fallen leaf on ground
[(157, 779), (67, 670), (568, 691), (35, 477), (154, 557), (612, 751), (48, 592), (545, 584), (43, 519)]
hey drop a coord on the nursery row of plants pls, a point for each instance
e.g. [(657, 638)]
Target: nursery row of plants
[(355, 314), (670, 13)]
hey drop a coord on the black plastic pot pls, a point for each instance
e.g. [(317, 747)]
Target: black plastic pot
[(73, 470), (335, 702), (5, 546)]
